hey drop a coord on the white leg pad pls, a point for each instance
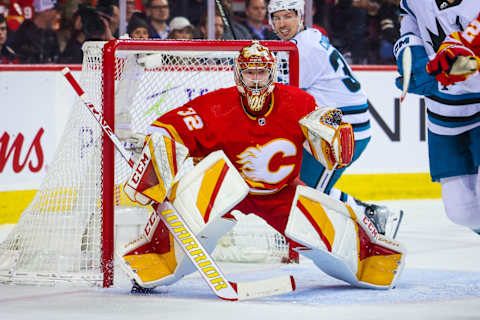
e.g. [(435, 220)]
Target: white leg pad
[(206, 193), (343, 243)]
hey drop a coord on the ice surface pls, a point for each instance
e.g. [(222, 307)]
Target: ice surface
[(441, 280)]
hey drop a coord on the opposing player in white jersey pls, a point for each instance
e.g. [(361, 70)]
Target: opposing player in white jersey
[(453, 107), (326, 75)]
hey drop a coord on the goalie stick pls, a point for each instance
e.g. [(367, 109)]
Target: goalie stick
[(217, 282)]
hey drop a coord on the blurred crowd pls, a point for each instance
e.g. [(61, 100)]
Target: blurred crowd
[(53, 31)]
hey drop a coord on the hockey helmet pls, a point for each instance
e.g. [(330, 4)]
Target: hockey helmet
[(280, 5), (255, 72)]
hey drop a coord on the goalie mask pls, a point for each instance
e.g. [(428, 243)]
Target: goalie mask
[(255, 71)]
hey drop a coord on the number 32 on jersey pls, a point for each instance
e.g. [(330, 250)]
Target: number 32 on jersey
[(191, 118)]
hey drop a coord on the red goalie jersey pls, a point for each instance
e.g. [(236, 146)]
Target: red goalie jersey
[(266, 150)]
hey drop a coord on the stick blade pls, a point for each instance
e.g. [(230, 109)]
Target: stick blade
[(407, 71), (265, 288)]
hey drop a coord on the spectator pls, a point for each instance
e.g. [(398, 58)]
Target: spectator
[(158, 13), (131, 8), (73, 50), (96, 27), (69, 9), (202, 33), (36, 40), (111, 12), (321, 10), (241, 32), (137, 28), (181, 29), (349, 29), (7, 55), (89, 25), (389, 28), (317, 16), (190, 9), (4, 7), (18, 12), (256, 12), (13, 19)]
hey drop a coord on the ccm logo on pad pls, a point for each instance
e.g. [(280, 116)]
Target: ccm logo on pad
[(140, 169)]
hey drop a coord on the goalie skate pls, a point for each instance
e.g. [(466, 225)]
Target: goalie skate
[(385, 220), (138, 289)]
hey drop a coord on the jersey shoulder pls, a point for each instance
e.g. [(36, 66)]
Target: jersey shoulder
[(213, 108), (311, 39), (216, 102), (215, 97), (294, 98), (312, 46)]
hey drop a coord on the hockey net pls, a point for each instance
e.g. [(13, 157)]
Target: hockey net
[(67, 233)]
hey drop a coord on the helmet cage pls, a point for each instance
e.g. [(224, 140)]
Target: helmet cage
[(255, 57), (258, 84)]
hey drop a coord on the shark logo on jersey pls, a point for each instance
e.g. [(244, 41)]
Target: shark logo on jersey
[(436, 39), (257, 161)]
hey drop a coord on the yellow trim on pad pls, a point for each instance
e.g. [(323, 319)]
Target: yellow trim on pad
[(209, 182), (320, 217)]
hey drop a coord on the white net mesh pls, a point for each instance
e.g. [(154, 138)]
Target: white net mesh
[(59, 236)]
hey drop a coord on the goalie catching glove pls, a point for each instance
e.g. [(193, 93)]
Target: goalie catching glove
[(329, 139), (154, 172)]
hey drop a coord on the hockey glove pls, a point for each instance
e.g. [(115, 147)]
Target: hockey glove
[(453, 63), (421, 82), (329, 139)]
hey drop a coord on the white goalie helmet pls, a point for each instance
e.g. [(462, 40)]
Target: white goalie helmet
[(280, 5)]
